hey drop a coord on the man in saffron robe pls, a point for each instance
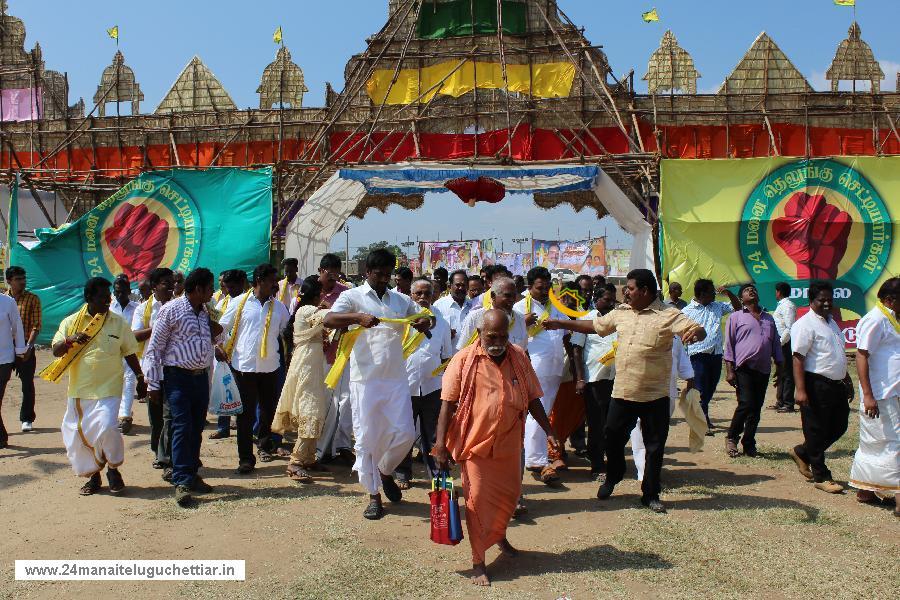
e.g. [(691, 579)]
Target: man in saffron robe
[(488, 389)]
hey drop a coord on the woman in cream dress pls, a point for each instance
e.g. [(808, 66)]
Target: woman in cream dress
[(304, 398)]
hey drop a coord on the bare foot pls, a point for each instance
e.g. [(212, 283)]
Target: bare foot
[(480, 578), (507, 549)]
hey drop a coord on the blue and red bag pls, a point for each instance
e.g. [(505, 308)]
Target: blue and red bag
[(446, 524)]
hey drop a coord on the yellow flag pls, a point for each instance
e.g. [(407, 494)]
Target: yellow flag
[(276, 37), (845, 2), (650, 16), (113, 32)]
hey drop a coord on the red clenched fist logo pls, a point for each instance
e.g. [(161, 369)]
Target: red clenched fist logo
[(137, 239), (813, 234)]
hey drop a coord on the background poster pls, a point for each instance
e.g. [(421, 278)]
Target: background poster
[(181, 219), (518, 263), (588, 257), (467, 255), (783, 219)]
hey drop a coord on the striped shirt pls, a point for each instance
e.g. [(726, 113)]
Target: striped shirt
[(30, 311), (181, 338)]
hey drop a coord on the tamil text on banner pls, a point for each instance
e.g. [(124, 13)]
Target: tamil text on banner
[(180, 219), (783, 219)]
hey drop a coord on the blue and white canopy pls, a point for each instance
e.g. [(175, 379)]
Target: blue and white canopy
[(311, 230)]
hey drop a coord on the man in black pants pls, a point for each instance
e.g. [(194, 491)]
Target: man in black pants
[(823, 386), (646, 328), (252, 324), (751, 344), (785, 314), (595, 372)]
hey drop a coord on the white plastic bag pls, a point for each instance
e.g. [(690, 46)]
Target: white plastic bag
[(224, 397)]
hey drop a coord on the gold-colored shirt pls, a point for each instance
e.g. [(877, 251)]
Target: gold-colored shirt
[(644, 355)]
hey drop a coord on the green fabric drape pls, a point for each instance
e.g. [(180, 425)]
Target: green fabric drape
[(439, 20)]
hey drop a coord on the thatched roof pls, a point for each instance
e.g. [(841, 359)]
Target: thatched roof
[(196, 89), (119, 80), (282, 82), (765, 70)]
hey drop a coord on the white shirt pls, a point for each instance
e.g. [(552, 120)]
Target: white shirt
[(594, 347), (452, 312), (137, 317), (681, 367), (548, 356), (378, 353), (876, 335), (245, 358), (12, 335), (126, 313), (785, 314), (821, 344), (518, 334), (428, 357), (288, 291)]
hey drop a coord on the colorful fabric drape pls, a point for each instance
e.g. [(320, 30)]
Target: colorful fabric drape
[(455, 18), (546, 80)]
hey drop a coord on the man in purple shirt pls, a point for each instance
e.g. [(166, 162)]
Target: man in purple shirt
[(751, 344)]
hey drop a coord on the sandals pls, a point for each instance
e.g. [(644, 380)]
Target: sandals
[(281, 453), (299, 474), (374, 511), (549, 475), (265, 456), (731, 448), (92, 486)]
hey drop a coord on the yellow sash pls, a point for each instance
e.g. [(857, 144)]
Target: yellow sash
[(487, 302), (283, 287), (890, 317), (55, 370), (536, 328), (217, 296), (263, 351), (145, 321), (610, 357), (348, 339)]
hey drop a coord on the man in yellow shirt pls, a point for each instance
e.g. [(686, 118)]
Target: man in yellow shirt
[(90, 346)]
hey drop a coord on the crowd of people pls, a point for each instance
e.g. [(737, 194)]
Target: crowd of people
[(491, 372)]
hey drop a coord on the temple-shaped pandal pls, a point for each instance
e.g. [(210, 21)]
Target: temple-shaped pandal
[(196, 90), (282, 83), (854, 61), (765, 69), (118, 84), (671, 68)]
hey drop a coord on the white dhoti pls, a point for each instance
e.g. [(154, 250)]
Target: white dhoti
[(91, 435), (876, 465), (129, 385), (638, 450), (535, 437), (338, 428), (382, 426)]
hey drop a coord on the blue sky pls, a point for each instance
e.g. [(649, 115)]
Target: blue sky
[(235, 40)]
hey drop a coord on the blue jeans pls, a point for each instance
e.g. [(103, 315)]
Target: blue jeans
[(707, 372), (188, 397)]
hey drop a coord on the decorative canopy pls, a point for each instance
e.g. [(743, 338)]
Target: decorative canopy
[(196, 89), (765, 70), (282, 83), (671, 68), (854, 61)]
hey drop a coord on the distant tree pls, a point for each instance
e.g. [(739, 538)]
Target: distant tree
[(341, 255), (363, 251)]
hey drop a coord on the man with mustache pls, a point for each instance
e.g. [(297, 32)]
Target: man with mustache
[(751, 344), (488, 389)]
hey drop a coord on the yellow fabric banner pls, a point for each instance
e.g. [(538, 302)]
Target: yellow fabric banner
[(547, 80), (55, 370)]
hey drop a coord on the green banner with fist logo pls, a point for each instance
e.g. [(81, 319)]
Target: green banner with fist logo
[(180, 219), (784, 219)]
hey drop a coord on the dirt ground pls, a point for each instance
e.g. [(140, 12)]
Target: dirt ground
[(735, 528)]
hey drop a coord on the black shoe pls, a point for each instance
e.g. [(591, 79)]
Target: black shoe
[(598, 476), (655, 505), (158, 465), (751, 452), (346, 456), (245, 467), (116, 483), (374, 510), (402, 480), (605, 490), (92, 486), (167, 474), (785, 409), (391, 489), (183, 496), (200, 487)]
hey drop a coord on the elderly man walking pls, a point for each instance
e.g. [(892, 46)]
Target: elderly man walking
[(488, 389), (646, 328)]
